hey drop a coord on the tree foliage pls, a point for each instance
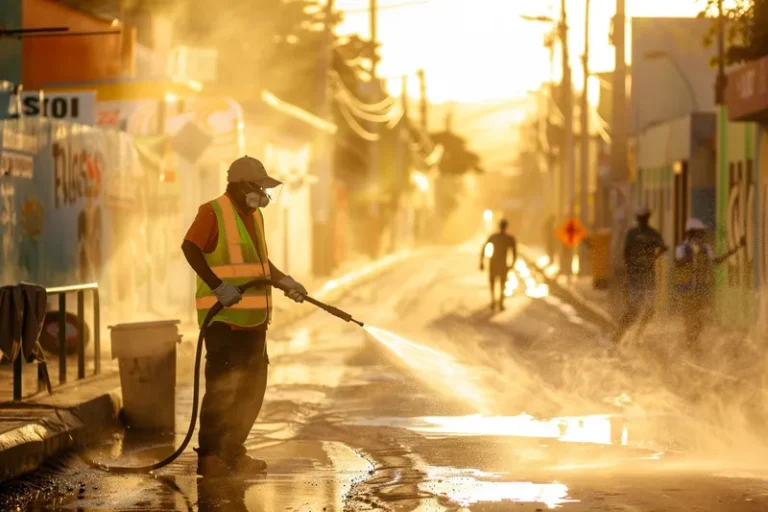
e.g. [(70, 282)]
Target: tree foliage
[(746, 35), (279, 45), (457, 159)]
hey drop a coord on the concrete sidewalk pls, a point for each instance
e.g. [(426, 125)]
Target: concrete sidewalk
[(600, 306), (31, 431)]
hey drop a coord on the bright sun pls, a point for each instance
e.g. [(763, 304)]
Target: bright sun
[(476, 50)]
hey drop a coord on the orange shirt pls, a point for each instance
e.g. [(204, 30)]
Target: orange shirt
[(204, 233)]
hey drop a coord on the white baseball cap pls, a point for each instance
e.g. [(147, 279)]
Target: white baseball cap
[(695, 224), (642, 211)]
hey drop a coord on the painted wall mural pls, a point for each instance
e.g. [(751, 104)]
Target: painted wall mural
[(739, 222), (78, 217), (761, 240)]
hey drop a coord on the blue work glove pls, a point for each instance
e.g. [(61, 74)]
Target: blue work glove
[(293, 289)]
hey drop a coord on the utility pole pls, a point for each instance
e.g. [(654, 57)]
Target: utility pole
[(721, 80), (323, 241), (374, 36), (373, 174), (423, 100), (619, 171), (567, 164), (404, 170), (585, 138)]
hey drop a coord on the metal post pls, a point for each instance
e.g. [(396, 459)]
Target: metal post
[(585, 138), (62, 338), (96, 332), (81, 334), (41, 371), (567, 160), (17, 377), (619, 171)]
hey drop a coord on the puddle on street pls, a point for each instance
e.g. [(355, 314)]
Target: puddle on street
[(598, 429), (302, 476), (469, 487)]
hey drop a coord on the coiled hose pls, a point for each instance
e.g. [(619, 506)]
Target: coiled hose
[(196, 386)]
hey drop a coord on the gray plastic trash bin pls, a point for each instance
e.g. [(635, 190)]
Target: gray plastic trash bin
[(146, 353)]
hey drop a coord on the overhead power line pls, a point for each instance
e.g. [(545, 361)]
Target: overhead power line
[(356, 127), (373, 108), (386, 7)]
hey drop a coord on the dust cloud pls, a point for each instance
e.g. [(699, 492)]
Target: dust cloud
[(564, 384)]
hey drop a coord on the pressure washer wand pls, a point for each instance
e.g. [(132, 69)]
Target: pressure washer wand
[(343, 315)]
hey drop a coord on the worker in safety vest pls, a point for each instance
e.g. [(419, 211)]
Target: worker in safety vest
[(694, 279), (501, 244), (226, 247), (642, 246)]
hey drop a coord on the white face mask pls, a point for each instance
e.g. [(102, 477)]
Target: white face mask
[(257, 199)]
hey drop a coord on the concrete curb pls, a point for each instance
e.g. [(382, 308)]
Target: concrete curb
[(27, 447), (587, 308)]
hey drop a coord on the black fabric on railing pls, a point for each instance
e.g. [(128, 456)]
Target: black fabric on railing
[(11, 316), (22, 310), (35, 303)]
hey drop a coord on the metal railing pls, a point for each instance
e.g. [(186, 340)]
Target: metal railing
[(62, 292)]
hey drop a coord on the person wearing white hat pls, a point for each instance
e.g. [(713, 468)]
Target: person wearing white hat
[(226, 247), (694, 279), (642, 246)]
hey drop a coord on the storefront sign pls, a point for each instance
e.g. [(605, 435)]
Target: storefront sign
[(747, 92), (76, 107)]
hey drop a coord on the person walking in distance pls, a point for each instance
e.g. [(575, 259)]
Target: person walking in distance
[(642, 246), (695, 262), (501, 244), (226, 247)]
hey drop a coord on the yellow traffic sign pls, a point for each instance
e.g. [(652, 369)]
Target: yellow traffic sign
[(571, 232)]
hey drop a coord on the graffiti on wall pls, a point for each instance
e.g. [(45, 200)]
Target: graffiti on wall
[(741, 197), (763, 226), (8, 222), (762, 214), (77, 175)]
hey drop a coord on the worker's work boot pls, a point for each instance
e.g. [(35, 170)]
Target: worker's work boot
[(246, 465), (212, 466)]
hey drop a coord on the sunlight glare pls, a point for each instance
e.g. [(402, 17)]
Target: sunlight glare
[(590, 429)]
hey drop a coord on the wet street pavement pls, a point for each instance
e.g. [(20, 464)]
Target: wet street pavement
[(444, 405)]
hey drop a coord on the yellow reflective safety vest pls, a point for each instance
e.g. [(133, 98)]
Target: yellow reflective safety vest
[(237, 260)]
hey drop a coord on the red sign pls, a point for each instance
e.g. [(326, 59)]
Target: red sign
[(571, 232)]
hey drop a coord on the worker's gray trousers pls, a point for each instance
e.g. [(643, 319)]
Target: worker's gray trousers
[(236, 365)]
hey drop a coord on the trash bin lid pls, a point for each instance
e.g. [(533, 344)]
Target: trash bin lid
[(144, 339), (145, 325)]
